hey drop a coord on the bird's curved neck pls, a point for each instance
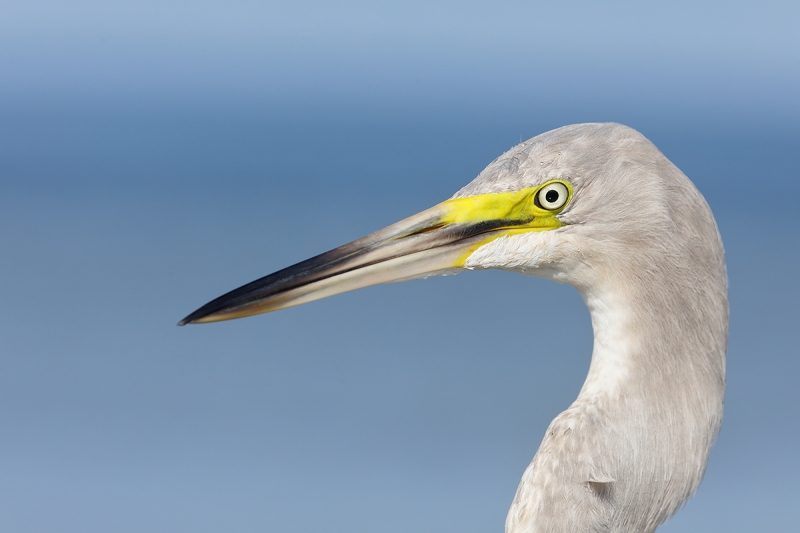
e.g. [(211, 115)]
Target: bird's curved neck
[(650, 341)]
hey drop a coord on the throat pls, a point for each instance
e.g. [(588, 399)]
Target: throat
[(616, 343)]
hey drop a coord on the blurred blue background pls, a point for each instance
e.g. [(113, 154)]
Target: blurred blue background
[(154, 155)]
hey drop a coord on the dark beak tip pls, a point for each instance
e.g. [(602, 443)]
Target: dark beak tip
[(187, 320)]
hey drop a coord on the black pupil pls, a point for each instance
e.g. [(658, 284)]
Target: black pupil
[(551, 196)]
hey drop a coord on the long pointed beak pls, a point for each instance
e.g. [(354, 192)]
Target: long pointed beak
[(436, 240)]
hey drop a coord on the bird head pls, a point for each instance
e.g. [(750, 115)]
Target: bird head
[(559, 205)]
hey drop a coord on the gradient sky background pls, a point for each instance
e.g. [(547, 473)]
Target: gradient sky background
[(154, 155)]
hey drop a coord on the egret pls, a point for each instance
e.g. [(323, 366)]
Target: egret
[(597, 206)]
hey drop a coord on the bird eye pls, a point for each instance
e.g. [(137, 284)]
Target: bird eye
[(552, 196)]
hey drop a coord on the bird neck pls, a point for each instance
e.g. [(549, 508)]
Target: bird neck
[(657, 343), (652, 402), (657, 378)]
